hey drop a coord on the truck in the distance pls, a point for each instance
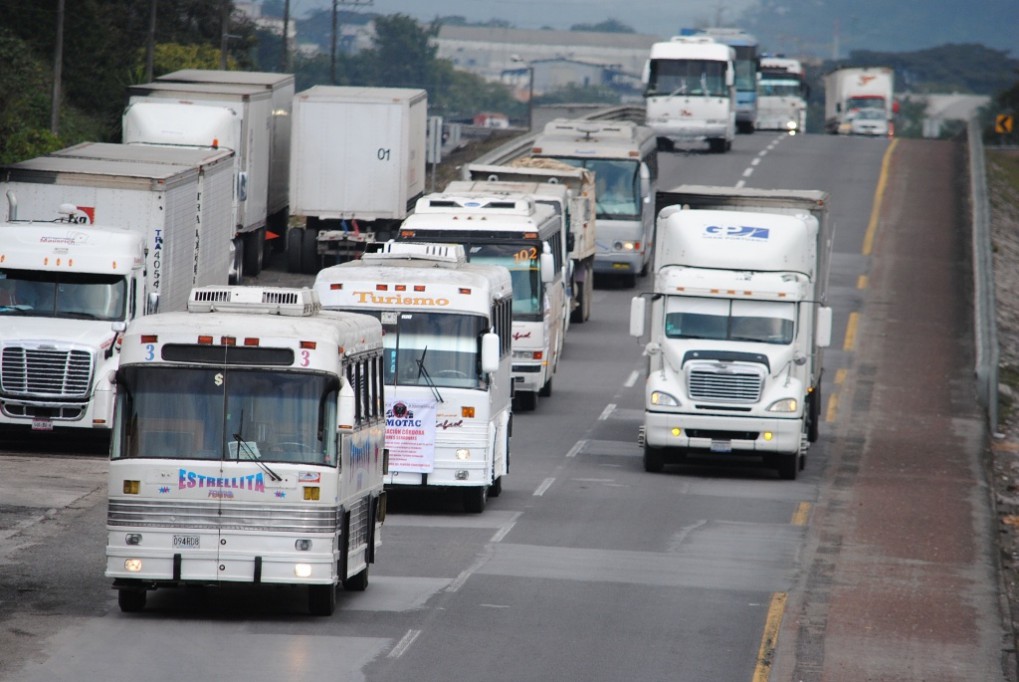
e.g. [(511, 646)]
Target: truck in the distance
[(738, 320), (217, 116), (860, 101), (782, 95), (67, 293), (571, 190), (357, 167)]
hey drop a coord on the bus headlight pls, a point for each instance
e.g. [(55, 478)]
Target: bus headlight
[(302, 570), (133, 565), (784, 405), (463, 453)]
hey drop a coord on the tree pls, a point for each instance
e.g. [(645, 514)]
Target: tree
[(607, 26)]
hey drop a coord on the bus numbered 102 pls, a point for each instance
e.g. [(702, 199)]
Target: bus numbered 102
[(248, 447)]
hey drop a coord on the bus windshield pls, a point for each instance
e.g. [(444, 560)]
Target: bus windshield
[(690, 77), (785, 87), (617, 187), (756, 321), (79, 296), (431, 349), (224, 413), (523, 262)]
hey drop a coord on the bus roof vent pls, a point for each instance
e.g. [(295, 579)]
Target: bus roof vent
[(452, 254), (484, 204), (268, 300)]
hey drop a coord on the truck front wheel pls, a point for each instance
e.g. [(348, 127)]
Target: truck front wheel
[(654, 459)]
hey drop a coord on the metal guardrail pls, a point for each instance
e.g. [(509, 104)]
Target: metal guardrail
[(519, 146), (985, 321)]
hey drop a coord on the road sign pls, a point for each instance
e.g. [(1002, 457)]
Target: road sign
[(1003, 124)]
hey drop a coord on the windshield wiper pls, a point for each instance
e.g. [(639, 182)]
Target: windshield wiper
[(251, 453), (428, 377)]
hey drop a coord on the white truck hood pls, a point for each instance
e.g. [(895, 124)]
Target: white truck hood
[(675, 351), (36, 331)]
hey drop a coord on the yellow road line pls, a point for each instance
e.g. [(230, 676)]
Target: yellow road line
[(862, 281), (850, 341), (769, 638), (875, 212), (840, 375), (833, 403), (801, 514)]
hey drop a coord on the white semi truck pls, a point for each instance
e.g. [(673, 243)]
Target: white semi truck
[(782, 95), (575, 199), (178, 200), (447, 331), (356, 168), (67, 292), (860, 101), (216, 116), (281, 87), (738, 320)]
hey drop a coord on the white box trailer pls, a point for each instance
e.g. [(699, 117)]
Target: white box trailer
[(164, 202), (281, 87), (205, 115), (357, 166), (860, 101)]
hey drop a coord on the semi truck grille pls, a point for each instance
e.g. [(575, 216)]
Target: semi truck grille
[(45, 372), (727, 387)]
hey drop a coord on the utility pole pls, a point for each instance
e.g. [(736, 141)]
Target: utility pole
[(150, 43), (224, 23), (285, 55), (335, 36), (58, 63)]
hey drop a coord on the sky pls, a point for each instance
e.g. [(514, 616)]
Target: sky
[(654, 17)]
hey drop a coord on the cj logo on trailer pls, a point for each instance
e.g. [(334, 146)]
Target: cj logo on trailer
[(736, 232)]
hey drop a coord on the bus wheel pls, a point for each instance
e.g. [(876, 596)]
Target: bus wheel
[(546, 390), (321, 600), (357, 582), (526, 401), (654, 459), (131, 601), (475, 499), (495, 489)]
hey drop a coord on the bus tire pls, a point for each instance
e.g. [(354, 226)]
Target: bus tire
[(357, 582), (321, 600), (495, 489), (131, 601), (546, 390), (526, 401), (475, 498)]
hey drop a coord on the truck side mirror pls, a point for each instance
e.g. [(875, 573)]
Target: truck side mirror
[(730, 78), (242, 186), (824, 317), (347, 408), (489, 352), (152, 305), (638, 307)]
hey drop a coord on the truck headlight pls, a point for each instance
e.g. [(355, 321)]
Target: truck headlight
[(784, 405), (663, 399)]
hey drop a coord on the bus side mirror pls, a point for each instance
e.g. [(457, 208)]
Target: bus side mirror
[(730, 78), (547, 268), (489, 352), (347, 408), (824, 317), (638, 306), (242, 186)]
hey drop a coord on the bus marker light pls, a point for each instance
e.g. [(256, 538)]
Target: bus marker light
[(149, 338), (311, 492), (308, 345), (228, 340), (205, 340), (467, 411), (336, 286), (251, 341), (132, 487)]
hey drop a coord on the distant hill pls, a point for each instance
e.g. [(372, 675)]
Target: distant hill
[(819, 27)]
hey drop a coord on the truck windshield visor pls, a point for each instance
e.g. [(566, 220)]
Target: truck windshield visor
[(81, 296), (725, 320), (224, 413)]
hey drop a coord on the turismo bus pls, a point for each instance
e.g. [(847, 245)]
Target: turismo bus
[(689, 93), (447, 331), (247, 447), (525, 237), (624, 159)]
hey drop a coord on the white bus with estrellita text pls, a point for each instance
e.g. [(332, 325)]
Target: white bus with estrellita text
[(247, 447), (447, 334)]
